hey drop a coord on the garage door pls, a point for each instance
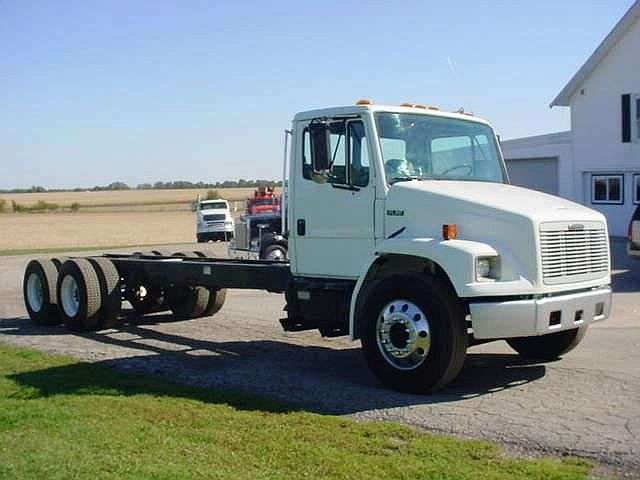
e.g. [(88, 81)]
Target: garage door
[(536, 173)]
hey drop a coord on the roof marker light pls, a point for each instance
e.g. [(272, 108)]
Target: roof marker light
[(364, 101), (433, 107), (406, 104)]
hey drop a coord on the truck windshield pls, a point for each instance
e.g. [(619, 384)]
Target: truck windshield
[(212, 205), (418, 146)]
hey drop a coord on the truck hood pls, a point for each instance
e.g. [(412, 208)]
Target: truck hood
[(501, 198), (505, 217)]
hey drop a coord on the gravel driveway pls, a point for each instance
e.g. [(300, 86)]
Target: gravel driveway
[(587, 404)]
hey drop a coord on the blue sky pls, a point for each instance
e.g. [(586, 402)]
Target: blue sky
[(97, 91)]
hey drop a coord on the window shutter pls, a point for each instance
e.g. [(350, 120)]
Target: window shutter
[(626, 118)]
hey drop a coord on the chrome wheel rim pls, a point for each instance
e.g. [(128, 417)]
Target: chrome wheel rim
[(403, 334), (276, 254), (70, 296), (35, 292)]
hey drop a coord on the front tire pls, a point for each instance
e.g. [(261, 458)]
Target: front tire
[(413, 333), (275, 253), (548, 347)]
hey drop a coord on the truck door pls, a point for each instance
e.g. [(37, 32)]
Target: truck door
[(333, 222)]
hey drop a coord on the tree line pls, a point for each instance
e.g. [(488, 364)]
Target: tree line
[(172, 185)]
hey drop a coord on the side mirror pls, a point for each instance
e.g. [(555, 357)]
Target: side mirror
[(320, 146)]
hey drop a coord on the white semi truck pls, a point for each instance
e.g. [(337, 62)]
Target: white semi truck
[(403, 233), (213, 220)]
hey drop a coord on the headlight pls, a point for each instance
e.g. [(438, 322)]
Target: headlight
[(487, 268)]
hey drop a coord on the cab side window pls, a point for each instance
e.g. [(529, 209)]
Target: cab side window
[(350, 162), (307, 167), (338, 171), (358, 155)]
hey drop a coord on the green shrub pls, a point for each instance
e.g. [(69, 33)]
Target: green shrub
[(75, 206), (212, 195), (3, 205), (41, 205)]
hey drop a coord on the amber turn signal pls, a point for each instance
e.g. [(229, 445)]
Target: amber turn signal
[(449, 231)]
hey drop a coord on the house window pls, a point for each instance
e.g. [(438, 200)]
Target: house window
[(607, 189), (636, 116), (636, 188)]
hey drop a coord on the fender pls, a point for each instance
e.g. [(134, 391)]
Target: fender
[(457, 255)]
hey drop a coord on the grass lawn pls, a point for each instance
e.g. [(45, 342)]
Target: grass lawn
[(64, 419)]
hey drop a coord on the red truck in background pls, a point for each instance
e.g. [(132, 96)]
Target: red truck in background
[(264, 200)]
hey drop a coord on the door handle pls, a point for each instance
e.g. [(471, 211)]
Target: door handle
[(301, 227)]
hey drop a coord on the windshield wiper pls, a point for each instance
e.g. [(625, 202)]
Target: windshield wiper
[(405, 179)]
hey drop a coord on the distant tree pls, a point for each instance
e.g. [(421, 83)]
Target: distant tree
[(212, 195)]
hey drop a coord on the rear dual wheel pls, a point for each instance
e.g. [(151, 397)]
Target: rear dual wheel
[(88, 293), (194, 301), (39, 290)]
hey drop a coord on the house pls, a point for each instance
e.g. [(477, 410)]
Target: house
[(597, 163)]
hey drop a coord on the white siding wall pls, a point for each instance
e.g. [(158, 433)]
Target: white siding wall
[(596, 126)]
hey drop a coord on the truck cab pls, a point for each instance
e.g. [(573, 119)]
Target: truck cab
[(407, 212), (213, 221)]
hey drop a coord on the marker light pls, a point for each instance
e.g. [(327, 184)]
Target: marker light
[(433, 107), (449, 231), (406, 104), (364, 101), (419, 105)]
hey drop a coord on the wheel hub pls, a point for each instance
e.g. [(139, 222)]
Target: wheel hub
[(35, 292), (70, 296), (403, 334)]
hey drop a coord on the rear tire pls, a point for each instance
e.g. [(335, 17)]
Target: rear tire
[(109, 279), (39, 291), (78, 295), (188, 302), (548, 347), (216, 301), (413, 333)]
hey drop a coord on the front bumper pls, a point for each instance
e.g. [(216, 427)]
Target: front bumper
[(527, 318)]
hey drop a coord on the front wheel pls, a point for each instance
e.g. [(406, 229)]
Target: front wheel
[(548, 347), (276, 253), (413, 333)]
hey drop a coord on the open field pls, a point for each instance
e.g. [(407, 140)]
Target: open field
[(56, 230), (124, 197), (132, 426)]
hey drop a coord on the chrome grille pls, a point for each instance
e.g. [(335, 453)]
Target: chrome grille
[(573, 252)]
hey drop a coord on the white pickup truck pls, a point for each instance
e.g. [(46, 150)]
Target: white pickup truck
[(403, 232), (213, 220)]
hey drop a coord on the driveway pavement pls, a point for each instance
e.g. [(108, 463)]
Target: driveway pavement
[(586, 404)]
